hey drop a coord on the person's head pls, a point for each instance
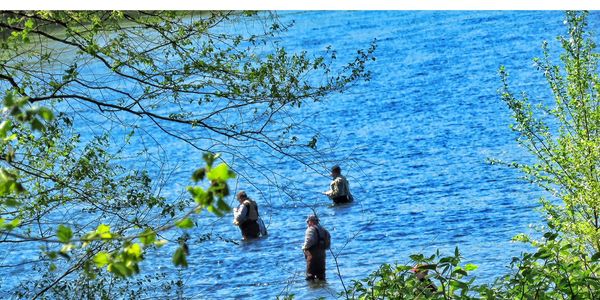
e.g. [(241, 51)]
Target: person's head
[(241, 196), (312, 220), (419, 271), (336, 171)]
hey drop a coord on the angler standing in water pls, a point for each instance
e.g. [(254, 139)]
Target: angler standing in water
[(316, 241), (339, 189), (246, 215)]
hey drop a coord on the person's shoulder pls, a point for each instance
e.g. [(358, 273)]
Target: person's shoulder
[(340, 179)]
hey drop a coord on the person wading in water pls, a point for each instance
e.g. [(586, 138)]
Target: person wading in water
[(246, 215), (339, 189), (316, 241)]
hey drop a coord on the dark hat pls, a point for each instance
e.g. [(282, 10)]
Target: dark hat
[(336, 169), (242, 195)]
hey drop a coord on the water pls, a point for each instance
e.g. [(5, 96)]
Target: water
[(413, 143)]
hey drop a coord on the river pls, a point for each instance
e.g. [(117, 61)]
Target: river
[(413, 142)]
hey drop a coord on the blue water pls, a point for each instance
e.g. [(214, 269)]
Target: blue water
[(413, 143)]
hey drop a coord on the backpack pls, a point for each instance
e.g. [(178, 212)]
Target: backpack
[(325, 241), (252, 211)]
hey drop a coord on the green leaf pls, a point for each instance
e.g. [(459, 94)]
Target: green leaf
[(29, 24), (459, 284), (9, 99), (220, 173), (550, 236), (148, 237), (471, 267), (51, 254), (134, 250), (186, 223), (179, 258), (10, 226), (11, 137), (15, 222), (66, 248), (11, 202), (210, 158), (118, 269), (222, 205), (446, 260), (46, 113), (64, 234), (214, 211), (103, 231), (199, 174), (200, 196), (428, 267), (417, 257), (596, 256), (37, 125), (5, 127), (102, 259)]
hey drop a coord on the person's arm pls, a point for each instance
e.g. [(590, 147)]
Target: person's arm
[(239, 215), (310, 238), (334, 190)]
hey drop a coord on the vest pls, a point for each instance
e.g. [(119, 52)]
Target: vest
[(252, 210)]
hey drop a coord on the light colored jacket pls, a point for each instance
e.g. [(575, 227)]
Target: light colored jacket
[(338, 187), (310, 236), (241, 213)]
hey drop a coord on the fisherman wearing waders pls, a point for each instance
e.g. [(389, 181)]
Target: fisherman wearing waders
[(246, 215), (339, 189), (316, 241)]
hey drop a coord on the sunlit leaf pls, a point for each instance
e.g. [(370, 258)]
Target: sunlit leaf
[(220, 173), (66, 248), (103, 231), (471, 267), (5, 127), (186, 223), (134, 250), (102, 259), (12, 137)]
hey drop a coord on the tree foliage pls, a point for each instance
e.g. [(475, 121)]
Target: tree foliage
[(564, 136), (556, 270), (434, 277), (194, 76)]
